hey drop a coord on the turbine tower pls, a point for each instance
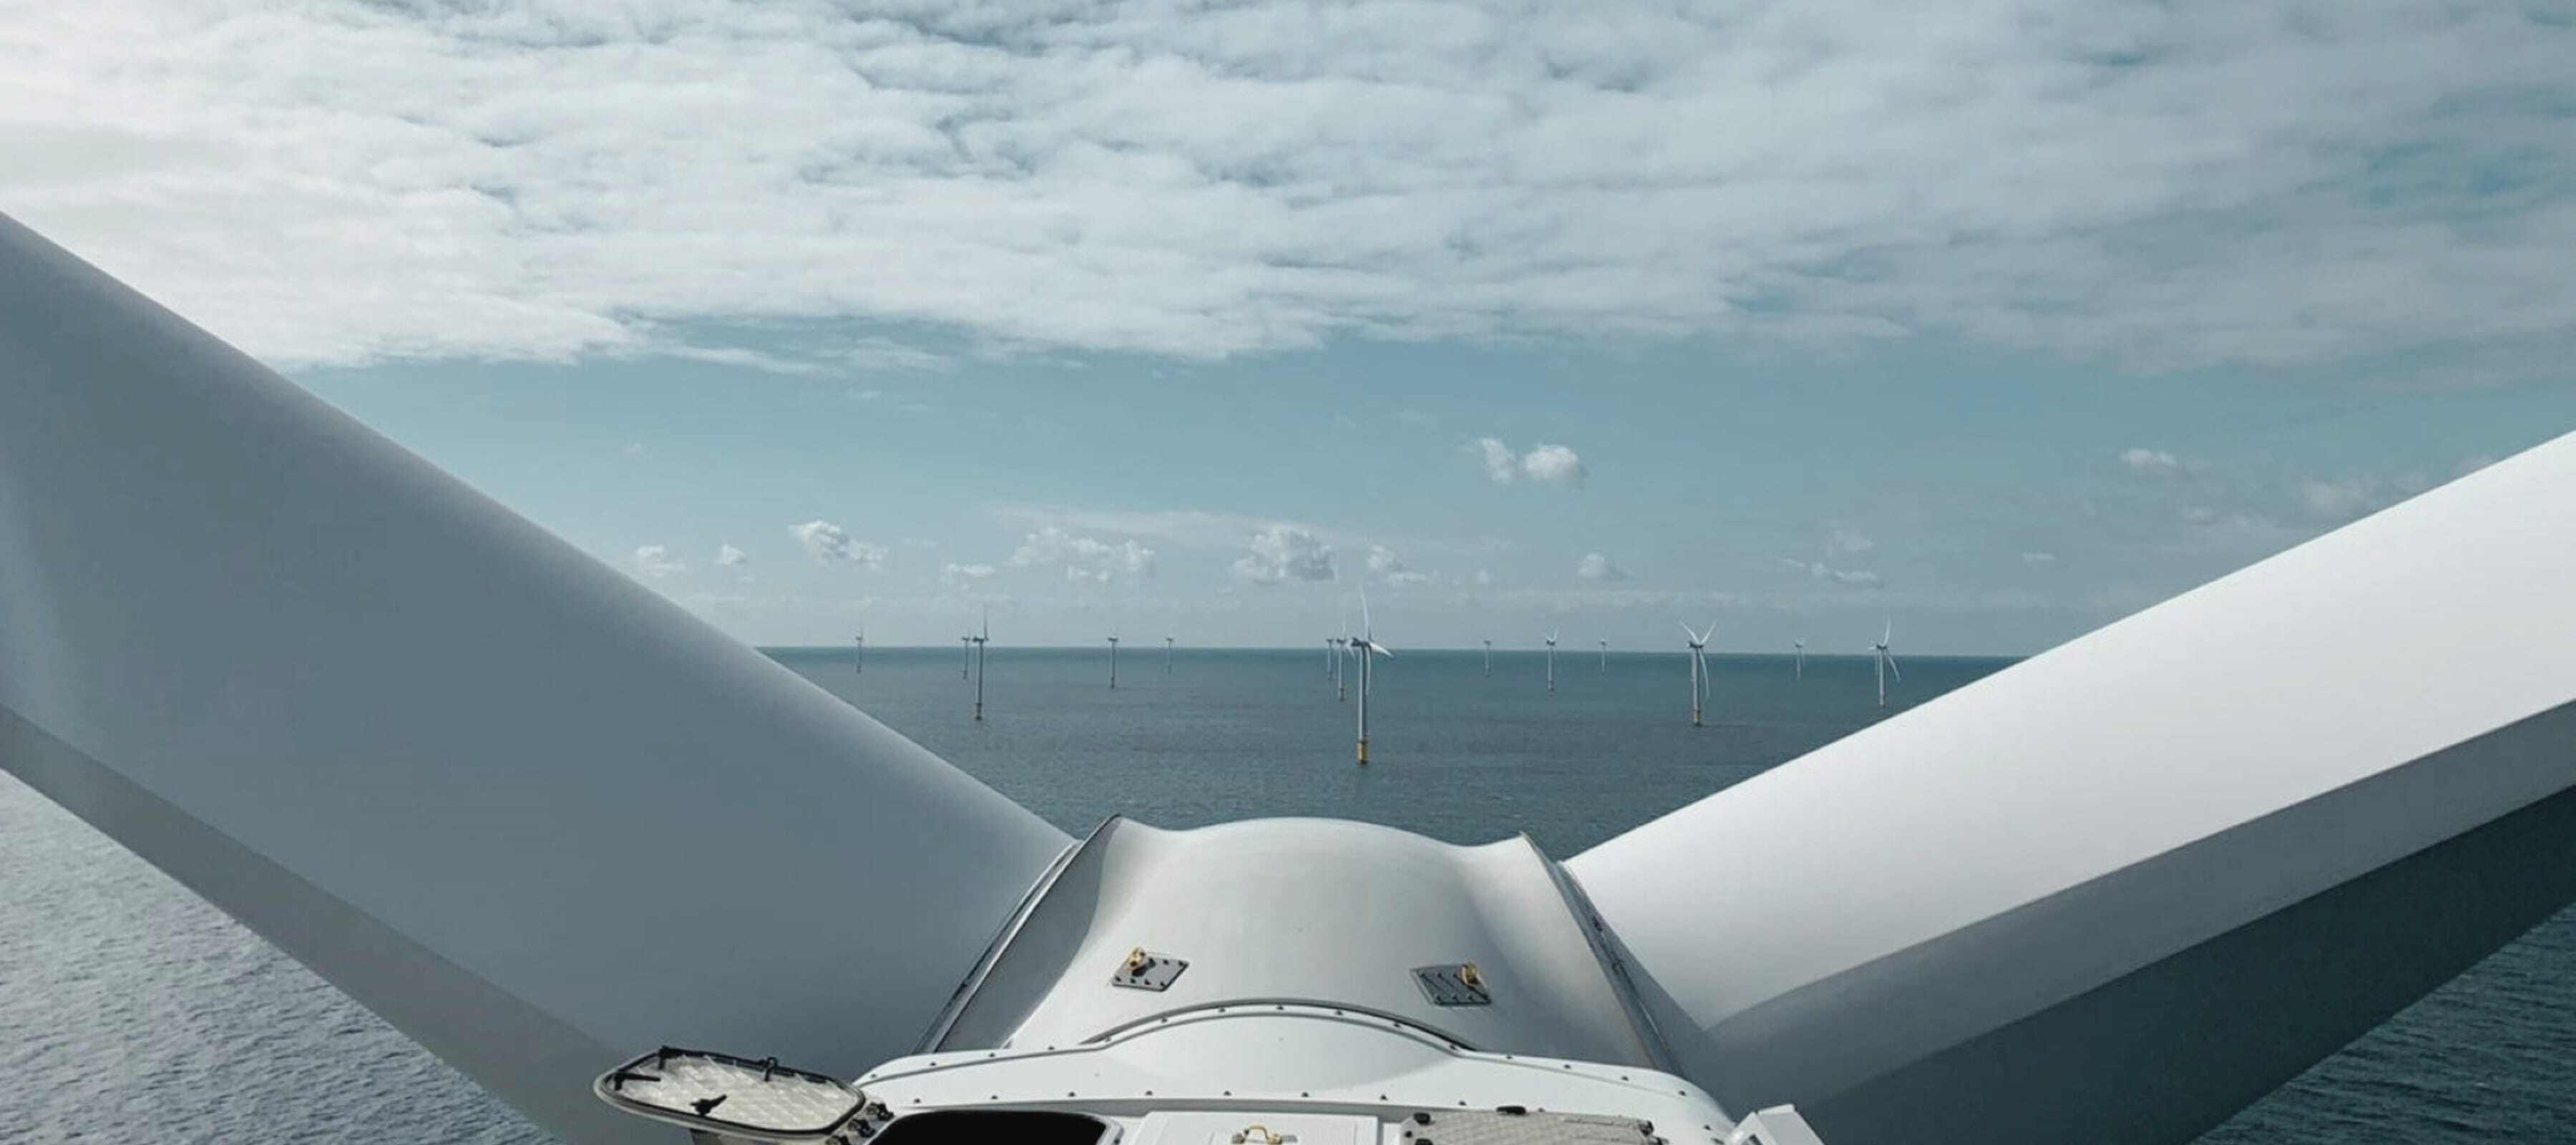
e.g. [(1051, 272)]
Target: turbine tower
[(1340, 650), (1605, 657), (1366, 645), (1551, 660), (1801, 646), (982, 638), (1698, 666), (1886, 662), (859, 658), (1167, 655), (1113, 663), (1489, 658), (965, 656)]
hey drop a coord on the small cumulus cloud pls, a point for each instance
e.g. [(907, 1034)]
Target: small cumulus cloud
[(831, 543), (1595, 566), (886, 354), (655, 561), (1281, 553), (1543, 464), (728, 556), (2340, 499), (1819, 570), (1844, 542), (2154, 462), (1553, 463), (1484, 577), (2038, 558), (965, 576), (1390, 568), (1084, 558)]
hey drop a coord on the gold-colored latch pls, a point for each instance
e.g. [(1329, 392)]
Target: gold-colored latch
[(1138, 962), (1470, 977), (1261, 1135)]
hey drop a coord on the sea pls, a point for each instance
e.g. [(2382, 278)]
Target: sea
[(132, 1012)]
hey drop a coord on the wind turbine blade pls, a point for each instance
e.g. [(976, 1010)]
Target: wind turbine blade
[(1366, 627), (456, 766), (1686, 631), (1382, 650), (1891, 665), (2154, 843)]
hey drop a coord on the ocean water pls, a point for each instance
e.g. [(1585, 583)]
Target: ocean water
[(130, 1011)]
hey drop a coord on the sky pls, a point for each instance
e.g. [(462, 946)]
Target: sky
[(1992, 322)]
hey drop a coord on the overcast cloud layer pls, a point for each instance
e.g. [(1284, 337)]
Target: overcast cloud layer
[(2154, 186)]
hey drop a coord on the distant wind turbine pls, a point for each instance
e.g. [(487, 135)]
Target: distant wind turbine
[(1167, 655), (1801, 646), (1331, 667), (1341, 652), (859, 658), (982, 638), (965, 656), (1489, 657), (1113, 663), (1605, 657), (1698, 666), (1886, 662), (1366, 645), (1551, 659)]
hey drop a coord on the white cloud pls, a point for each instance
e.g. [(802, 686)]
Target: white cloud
[(728, 556), (1554, 463), (1847, 541), (1084, 558), (881, 354), (2038, 558), (1391, 568), (1595, 566), (633, 449), (829, 542), (1484, 577), (2341, 499), (1284, 553), (966, 576), (1819, 570), (1544, 463), (2152, 461), (344, 183), (655, 561)]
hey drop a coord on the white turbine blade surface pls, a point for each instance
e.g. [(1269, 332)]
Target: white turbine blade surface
[(513, 801), (2117, 891), (1892, 670)]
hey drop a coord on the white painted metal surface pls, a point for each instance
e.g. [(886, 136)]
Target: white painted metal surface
[(1266, 1064), (1992, 916), (555, 820), (1303, 910)]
